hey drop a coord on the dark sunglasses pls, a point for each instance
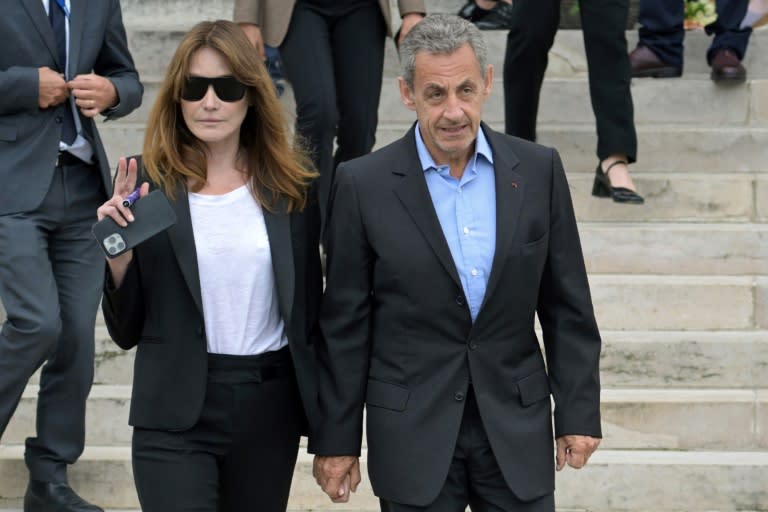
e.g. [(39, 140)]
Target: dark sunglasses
[(227, 88)]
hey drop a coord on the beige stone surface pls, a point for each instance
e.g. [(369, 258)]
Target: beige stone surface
[(663, 248), (759, 113), (106, 416), (680, 419), (692, 149), (692, 360), (761, 197), (670, 196), (667, 302), (761, 302)]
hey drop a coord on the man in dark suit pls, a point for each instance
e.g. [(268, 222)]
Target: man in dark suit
[(442, 248), (63, 63)]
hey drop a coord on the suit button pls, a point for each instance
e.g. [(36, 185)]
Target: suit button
[(458, 396), (472, 345), (57, 119), (460, 300)]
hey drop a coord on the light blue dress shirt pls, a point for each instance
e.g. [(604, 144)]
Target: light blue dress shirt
[(466, 209)]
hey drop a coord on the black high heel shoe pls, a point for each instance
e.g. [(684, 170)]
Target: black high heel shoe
[(602, 187)]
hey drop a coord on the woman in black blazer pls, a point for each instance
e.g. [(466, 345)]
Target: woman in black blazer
[(222, 306)]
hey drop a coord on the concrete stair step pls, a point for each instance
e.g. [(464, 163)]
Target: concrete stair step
[(657, 102), (664, 302), (106, 416), (685, 419), (630, 359), (168, 11), (674, 197), (669, 148), (614, 480), (565, 101), (682, 148), (692, 359), (112, 365), (735, 419), (667, 248), (566, 58), (651, 302)]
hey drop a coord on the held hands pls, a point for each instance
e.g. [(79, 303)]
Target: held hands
[(337, 476), (575, 450)]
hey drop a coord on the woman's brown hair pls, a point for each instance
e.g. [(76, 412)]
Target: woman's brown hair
[(173, 156)]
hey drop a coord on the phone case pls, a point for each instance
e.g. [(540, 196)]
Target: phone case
[(152, 214)]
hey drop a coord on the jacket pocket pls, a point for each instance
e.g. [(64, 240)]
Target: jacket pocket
[(386, 395), (533, 388)]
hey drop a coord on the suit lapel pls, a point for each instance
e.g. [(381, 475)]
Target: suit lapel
[(281, 248), (78, 9), (36, 12), (414, 194), (183, 243), (510, 190)]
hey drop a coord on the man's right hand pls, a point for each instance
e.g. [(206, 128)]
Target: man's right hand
[(337, 476), (53, 88), (253, 32)]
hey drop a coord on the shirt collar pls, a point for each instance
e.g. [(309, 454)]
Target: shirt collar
[(427, 162)]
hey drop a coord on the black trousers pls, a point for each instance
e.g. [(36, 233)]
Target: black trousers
[(661, 28), (51, 274), (334, 60), (474, 477), (241, 453), (531, 36)]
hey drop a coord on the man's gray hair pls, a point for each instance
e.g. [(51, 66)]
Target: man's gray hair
[(440, 34)]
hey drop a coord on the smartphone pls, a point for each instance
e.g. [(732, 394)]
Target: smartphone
[(152, 214)]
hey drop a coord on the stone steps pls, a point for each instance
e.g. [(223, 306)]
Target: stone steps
[(691, 359), (566, 101), (681, 148), (630, 359), (668, 148), (614, 480), (665, 302), (660, 419), (155, 30), (680, 285)]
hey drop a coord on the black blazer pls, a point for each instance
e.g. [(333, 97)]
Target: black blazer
[(398, 335), (158, 309)]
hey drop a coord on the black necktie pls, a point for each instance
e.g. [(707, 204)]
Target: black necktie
[(59, 25)]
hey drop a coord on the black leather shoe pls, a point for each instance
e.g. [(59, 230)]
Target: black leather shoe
[(602, 187), (727, 67), (498, 18), (55, 497), (644, 63)]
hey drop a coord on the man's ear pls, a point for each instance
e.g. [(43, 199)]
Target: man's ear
[(406, 95)]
